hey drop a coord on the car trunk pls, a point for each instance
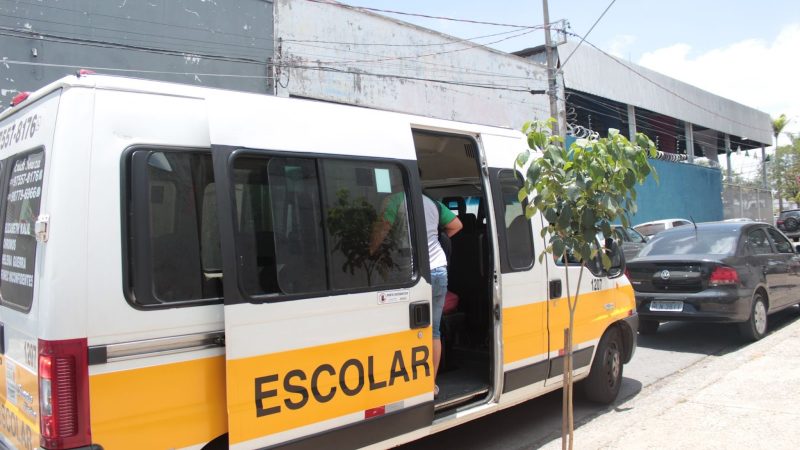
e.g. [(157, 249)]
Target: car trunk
[(671, 275)]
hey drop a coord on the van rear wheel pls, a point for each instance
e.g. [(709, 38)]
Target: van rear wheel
[(605, 377)]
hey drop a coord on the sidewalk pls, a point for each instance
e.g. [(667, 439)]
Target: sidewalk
[(748, 399)]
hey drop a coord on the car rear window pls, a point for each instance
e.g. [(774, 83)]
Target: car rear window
[(649, 230), (704, 242)]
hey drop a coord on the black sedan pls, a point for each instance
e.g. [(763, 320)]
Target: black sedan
[(715, 272)]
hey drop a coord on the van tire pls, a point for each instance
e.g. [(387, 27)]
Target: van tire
[(647, 327), (605, 377)]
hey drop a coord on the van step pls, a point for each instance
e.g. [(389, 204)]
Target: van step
[(443, 402)]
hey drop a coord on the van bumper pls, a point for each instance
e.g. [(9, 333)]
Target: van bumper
[(630, 332)]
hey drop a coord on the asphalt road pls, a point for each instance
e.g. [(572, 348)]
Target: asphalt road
[(676, 347)]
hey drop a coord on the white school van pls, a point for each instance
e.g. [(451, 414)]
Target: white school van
[(188, 268)]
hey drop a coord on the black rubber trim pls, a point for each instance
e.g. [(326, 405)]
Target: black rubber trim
[(98, 355), (630, 335), (367, 432), (524, 376), (580, 358)]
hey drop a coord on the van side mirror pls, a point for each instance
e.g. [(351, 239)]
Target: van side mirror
[(617, 260)]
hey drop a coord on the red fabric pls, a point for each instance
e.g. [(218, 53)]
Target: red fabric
[(450, 303)]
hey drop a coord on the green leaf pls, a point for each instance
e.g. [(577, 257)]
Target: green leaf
[(522, 194), (522, 158), (606, 260), (534, 171), (565, 217)]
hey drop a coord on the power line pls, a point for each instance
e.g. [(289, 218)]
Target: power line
[(374, 44), (11, 32), (418, 56), (115, 69), (426, 16), (587, 34), (129, 19)]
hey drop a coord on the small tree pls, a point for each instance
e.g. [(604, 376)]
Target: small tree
[(778, 124), (581, 191)]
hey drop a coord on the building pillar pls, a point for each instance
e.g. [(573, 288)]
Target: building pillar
[(728, 155), (631, 123), (764, 166), (689, 131)]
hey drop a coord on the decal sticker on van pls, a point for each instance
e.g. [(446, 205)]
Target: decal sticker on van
[(401, 295)]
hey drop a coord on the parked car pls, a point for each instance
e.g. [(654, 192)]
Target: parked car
[(715, 272), (630, 240), (649, 229), (789, 222)]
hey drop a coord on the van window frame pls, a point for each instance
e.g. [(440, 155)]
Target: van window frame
[(412, 190), (5, 171), (502, 235), (134, 283)]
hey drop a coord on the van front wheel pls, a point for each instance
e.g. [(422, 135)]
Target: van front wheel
[(605, 377)]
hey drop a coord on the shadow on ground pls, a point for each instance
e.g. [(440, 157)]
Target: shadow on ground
[(709, 338)]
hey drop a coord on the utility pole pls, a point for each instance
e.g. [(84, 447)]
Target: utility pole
[(551, 70)]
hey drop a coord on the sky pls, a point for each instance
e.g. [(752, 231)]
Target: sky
[(744, 50)]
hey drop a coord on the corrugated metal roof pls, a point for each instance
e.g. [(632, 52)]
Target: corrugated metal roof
[(592, 71)]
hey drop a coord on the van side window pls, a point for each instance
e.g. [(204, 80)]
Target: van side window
[(174, 241), (304, 225), (516, 236), (24, 194)]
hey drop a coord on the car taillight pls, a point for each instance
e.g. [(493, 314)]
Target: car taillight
[(779, 222), (64, 394), (723, 276), (627, 273)]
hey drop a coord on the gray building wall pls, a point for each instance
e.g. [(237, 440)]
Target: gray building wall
[(337, 54), (224, 44)]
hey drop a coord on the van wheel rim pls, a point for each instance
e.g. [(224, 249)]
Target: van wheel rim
[(760, 317), (613, 364)]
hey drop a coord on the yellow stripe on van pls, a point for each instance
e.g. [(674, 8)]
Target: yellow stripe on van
[(19, 405), (271, 393), (595, 312), (524, 331), (166, 406)]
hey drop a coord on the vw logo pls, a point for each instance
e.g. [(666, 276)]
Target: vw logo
[(665, 275)]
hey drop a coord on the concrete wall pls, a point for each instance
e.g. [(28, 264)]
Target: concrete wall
[(684, 191), (177, 40), (333, 53)]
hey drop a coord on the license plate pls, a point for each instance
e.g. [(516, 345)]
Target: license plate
[(666, 306)]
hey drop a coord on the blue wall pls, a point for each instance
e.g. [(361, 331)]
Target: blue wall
[(683, 190)]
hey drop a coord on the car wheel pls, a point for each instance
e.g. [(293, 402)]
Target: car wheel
[(605, 377), (648, 326), (790, 224), (755, 327)]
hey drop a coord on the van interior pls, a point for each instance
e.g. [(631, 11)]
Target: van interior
[(450, 172)]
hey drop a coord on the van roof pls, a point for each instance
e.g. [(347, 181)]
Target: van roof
[(129, 84)]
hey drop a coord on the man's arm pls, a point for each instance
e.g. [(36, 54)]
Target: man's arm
[(453, 227)]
